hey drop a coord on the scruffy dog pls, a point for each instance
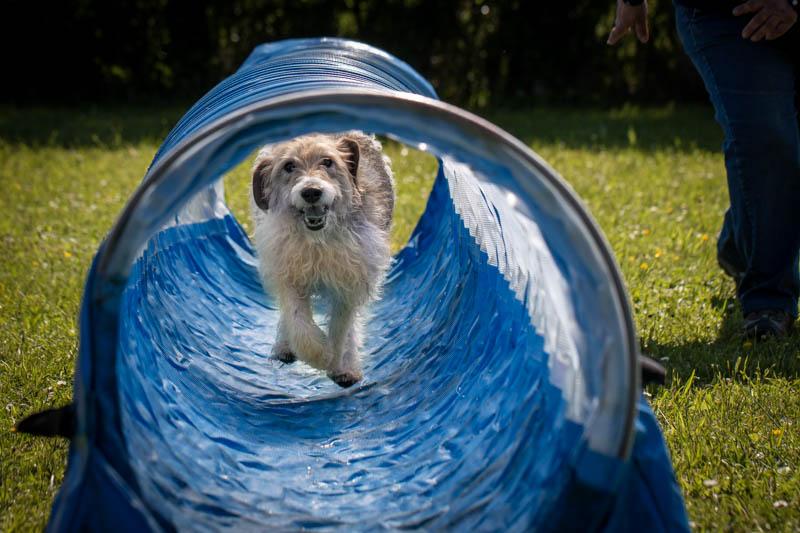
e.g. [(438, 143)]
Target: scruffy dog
[(323, 208)]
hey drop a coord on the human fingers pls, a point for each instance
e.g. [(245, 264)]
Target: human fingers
[(781, 27), (750, 6), (617, 33), (776, 30), (642, 29), (755, 23), (765, 29)]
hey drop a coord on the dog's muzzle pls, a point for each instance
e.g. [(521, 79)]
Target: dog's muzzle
[(314, 217)]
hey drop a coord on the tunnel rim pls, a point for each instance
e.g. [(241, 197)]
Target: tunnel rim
[(167, 166)]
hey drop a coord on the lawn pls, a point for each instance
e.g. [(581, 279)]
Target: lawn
[(653, 179)]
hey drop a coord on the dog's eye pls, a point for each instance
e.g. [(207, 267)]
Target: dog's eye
[(289, 167), (327, 162)]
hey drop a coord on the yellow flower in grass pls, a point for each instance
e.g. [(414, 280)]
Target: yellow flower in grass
[(658, 253), (644, 266), (67, 254), (777, 432)]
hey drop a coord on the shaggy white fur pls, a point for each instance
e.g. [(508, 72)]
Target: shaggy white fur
[(323, 206)]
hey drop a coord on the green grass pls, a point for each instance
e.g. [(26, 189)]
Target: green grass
[(653, 179)]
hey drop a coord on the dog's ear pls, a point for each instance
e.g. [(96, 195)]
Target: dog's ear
[(348, 147), (261, 181)]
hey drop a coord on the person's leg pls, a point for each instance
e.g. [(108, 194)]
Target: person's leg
[(752, 87), (728, 256)]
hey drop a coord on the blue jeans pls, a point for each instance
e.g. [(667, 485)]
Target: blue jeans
[(753, 88)]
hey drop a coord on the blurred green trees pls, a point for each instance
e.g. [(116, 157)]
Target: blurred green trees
[(475, 53)]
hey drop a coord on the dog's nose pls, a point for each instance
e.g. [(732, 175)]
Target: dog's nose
[(311, 194)]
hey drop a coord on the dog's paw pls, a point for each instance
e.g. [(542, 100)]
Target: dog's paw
[(345, 379), (285, 356), (283, 352)]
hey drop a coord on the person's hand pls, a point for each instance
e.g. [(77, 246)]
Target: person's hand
[(630, 18), (772, 18)]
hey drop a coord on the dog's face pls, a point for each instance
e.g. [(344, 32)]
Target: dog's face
[(311, 179)]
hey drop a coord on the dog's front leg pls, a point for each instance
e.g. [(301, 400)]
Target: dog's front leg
[(345, 367), (297, 329), (281, 349)]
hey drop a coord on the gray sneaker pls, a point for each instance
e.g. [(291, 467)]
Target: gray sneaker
[(767, 323)]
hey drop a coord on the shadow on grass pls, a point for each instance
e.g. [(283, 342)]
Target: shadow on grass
[(675, 128), (729, 353)]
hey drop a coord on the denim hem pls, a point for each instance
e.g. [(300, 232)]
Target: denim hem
[(754, 305)]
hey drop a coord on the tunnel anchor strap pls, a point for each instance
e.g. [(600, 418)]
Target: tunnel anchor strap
[(652, 371)]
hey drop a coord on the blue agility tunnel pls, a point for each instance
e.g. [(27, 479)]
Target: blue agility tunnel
[(501, 387)]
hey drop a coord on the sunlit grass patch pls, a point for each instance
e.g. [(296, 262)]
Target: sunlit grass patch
[(736, 448)]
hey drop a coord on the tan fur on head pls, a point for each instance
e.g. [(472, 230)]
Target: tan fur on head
[(323, 207)]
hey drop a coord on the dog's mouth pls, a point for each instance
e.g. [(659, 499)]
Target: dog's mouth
[(314, 217)]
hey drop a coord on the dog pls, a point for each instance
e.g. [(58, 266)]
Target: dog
[(322, 207)]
